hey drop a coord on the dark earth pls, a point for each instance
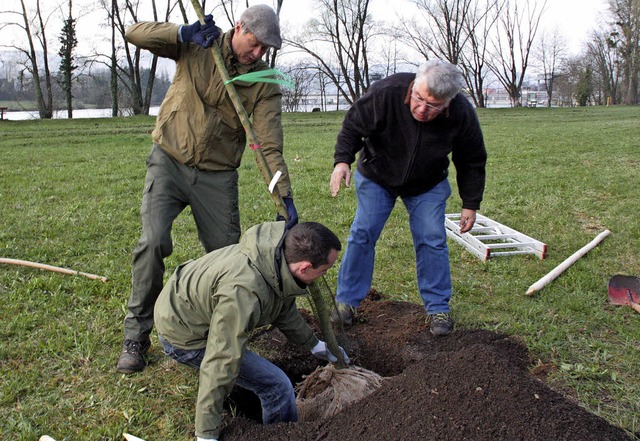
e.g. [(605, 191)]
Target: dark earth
[(471, 385)]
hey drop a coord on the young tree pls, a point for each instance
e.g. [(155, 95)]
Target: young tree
[(517, 28), (68, 41)]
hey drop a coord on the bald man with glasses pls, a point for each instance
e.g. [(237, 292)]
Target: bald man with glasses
[(403, 131)]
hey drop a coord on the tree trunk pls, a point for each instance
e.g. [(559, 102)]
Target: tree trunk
[(114, 63)]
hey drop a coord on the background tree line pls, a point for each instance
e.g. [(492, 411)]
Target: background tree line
[(498, 44)]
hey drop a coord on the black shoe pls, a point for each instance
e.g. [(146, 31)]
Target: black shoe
[(441, 323), (132, 356), (343, 314)]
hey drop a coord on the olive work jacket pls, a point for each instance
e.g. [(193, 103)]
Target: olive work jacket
[(197, 123), (215, 302)]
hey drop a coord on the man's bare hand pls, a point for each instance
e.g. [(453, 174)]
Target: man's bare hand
[(467, 219), (341, 172)]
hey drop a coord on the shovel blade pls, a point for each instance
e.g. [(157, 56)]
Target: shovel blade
[(624, 290)]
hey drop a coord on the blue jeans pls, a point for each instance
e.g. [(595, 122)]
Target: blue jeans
[(258, 375), (426, 222)]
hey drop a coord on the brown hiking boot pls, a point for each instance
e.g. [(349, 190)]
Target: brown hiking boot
[(132, 356), (441, 323)]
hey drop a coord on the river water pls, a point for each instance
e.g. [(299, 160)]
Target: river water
[(62, 114), (106, 113)]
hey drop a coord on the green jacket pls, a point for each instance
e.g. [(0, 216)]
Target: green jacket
[(197, 123), (215, 302)]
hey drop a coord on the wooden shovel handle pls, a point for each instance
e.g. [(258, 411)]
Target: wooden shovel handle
[(55, 269)]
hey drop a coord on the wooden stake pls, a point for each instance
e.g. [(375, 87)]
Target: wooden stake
[(567, 263), (55, 269)]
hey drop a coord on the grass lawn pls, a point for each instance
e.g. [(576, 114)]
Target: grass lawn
[(70, 195)]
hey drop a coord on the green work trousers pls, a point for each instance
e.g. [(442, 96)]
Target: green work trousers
[(169, 187)]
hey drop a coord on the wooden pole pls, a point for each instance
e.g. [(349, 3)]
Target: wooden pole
[(55, 269), (314, 290), (567, 263)]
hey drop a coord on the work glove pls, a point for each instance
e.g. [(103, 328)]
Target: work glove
[(321, 351), (200, 34), (291, 212)]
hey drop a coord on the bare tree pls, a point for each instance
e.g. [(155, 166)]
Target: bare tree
[(340, 37), (272, 53), (603, 51), (552, 50), (626, 16), (36, 53), (302, 77), (457, 31), (479, 24), (113, 65), (518, 25), (126, 61), (391, 54), (440, 30)]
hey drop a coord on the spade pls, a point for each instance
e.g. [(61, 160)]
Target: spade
[(625, 290)]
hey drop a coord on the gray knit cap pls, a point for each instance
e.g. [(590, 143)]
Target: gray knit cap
[(262, 21)]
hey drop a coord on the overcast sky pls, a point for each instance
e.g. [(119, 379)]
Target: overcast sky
[(574, 18)]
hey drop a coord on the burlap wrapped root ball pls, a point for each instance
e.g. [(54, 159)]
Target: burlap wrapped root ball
[(328, 390)]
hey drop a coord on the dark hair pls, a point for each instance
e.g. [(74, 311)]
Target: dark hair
[(310, 241)]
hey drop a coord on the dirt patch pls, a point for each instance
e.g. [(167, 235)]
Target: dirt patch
[(471, 385)]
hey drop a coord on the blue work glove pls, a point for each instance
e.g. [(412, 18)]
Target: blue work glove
[(200, 34), (291, 212), (321, 351)]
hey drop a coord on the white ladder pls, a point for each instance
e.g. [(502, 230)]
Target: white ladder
[(489, 238)]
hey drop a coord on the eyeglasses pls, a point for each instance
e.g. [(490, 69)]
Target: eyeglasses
[(421, 101)]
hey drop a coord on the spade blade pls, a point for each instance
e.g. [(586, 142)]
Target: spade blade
[(624, 290)]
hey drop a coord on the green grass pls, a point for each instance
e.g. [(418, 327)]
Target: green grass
[(70, 193)]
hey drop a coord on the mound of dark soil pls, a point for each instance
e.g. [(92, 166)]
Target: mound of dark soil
[(471, 385)]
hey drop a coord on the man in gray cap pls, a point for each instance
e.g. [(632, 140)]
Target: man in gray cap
[(198, 143)]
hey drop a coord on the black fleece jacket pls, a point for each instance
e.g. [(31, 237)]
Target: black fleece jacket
[(409, 157)]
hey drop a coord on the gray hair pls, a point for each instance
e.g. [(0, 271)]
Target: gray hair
[(443, 79)]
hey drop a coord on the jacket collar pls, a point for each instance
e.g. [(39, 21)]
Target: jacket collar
[(287, 284)]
